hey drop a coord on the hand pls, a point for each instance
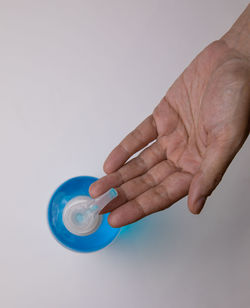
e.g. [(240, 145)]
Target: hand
[(197, 129)]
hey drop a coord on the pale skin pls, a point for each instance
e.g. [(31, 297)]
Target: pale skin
[(197, 129)]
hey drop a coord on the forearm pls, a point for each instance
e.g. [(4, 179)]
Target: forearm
[(238, 37)]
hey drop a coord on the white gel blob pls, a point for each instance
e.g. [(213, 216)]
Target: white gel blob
[(79, 218), (80, 215)]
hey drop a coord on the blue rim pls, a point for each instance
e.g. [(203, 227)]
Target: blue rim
[(102, 237)]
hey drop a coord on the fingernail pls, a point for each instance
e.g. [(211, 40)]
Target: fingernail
[(113, 220), (106, 167), (199, 205), (92, 190)]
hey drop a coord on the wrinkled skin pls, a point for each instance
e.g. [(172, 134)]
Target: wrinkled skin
[(197, 129)]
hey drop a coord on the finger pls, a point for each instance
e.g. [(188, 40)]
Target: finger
[(160, 197), (135, 187), (133, 142), (213, 167), (134, 168)]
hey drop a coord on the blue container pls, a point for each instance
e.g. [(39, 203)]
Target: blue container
[(103, 236)]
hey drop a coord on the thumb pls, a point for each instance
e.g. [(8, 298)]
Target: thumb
[(216, 160)]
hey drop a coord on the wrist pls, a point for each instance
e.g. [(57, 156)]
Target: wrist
[(238, 37)]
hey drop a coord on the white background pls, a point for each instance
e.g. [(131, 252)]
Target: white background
[(75, 77)]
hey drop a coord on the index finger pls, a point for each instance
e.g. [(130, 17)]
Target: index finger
[(142, 135)]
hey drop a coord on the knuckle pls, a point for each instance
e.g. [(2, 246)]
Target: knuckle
[(162, 191), (141, 211), (149, 179), (137, 135)]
